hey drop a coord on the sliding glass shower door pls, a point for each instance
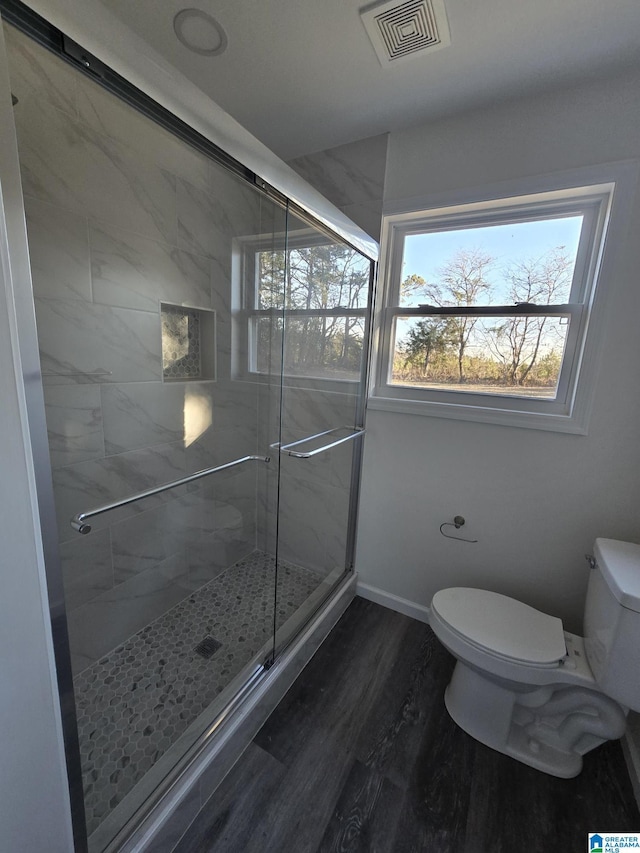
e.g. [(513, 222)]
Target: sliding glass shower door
[(202, 352), (324, 324)]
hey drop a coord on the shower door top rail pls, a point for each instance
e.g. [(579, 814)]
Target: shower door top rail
[(78, 522), (286, 448)]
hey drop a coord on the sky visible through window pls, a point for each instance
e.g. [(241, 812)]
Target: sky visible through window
[(426, 254)]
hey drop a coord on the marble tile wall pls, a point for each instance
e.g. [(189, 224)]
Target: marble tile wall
[(352, 177), (121, 216)]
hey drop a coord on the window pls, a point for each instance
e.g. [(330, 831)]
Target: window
[(317, 291), (487, 307)]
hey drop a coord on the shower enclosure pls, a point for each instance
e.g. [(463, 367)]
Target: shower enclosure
[(203, 351)]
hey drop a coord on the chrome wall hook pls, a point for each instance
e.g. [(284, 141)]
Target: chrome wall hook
[(457, 522)]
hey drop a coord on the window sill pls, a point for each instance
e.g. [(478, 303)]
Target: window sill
[(575, 424)]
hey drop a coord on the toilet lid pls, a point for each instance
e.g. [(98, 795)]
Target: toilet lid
[(501, 625)]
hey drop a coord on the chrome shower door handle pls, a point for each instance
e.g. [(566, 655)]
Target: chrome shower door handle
[(298, 454)]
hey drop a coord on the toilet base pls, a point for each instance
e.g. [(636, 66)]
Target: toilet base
[(549, 728)]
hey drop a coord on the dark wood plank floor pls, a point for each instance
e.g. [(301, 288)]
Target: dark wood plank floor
[(361, 755)]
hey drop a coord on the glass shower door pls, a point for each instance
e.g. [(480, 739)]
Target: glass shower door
[(325, 324), (169, 604), (202, 359)]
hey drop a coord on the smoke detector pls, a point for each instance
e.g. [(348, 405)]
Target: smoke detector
[(407, 29)]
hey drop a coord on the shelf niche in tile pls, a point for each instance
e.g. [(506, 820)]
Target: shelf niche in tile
[(188, 343)]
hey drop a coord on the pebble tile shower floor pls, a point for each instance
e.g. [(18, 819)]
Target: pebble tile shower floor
[(134, 703)]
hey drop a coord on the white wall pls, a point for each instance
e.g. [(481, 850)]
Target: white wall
[(34, 808), (535, 500)]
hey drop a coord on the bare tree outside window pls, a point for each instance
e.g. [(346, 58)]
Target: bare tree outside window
[(486, 354), (463, 281), (521, 343), (322, 291)]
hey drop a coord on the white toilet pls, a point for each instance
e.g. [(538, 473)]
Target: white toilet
[(531, 690)]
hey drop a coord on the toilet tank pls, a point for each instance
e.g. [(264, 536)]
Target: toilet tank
[(612, 620)]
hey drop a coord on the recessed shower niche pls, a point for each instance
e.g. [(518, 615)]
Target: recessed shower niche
[(188, 343)]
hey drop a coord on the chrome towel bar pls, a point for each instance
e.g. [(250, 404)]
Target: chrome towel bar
[(286, 448), (78, 522)]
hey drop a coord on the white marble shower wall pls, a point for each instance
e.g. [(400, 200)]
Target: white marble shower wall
[(352, 177), (121, 216)]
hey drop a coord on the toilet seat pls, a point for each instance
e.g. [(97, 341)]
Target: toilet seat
[(501, 626)]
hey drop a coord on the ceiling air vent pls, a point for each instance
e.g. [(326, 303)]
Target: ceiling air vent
[(405, 30)]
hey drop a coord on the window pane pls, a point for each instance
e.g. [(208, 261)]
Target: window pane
[(317, 277), (492, 265), (519, 356), (270, 280), (321, 347)]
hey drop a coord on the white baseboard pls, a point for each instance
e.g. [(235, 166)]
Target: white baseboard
[(393, 602)]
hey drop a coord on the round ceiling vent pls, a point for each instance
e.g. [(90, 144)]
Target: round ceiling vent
[(200, 32)]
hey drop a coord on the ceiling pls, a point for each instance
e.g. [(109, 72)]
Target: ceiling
[(302, 75)]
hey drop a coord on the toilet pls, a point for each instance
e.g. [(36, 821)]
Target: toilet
[(526, 687)]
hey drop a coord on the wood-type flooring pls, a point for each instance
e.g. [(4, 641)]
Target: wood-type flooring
[(362, 756)]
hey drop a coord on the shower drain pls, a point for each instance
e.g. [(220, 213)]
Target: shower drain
[(208, 647)]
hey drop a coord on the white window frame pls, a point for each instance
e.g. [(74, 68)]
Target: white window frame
[(589, 192)]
